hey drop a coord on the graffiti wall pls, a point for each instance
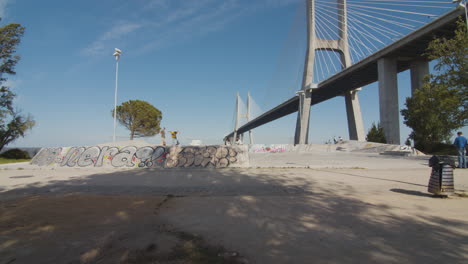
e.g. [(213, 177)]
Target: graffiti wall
[(270, 148), (143, 157)]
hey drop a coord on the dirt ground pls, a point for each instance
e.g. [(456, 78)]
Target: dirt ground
[(375, 211), (84, 228)]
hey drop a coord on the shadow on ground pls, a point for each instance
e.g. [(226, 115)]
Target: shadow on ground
[(411, 192), (276, 218)]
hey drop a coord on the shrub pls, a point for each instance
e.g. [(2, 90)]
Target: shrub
[(15, 154), (437, 149), (376, 134)]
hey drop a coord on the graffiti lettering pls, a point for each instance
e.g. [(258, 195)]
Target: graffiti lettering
[(143, 157), (47, 156), (271, 149), (72, 157), (124, 157), (89, 157)]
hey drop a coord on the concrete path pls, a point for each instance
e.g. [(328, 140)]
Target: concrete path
[(335, 160), (345, 208)]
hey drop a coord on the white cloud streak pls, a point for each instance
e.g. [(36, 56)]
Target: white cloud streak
[(160, 4), (3, 6), (159, 23), (115, 33)]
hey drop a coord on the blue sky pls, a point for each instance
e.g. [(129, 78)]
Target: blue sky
[(186, 57)]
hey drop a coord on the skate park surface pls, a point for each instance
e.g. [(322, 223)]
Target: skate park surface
[(315, 206)]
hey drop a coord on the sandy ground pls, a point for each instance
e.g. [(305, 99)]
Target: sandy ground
[(75, 228), (341, 209)]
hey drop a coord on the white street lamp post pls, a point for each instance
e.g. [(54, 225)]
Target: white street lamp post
[(117, 54), (464, 4)]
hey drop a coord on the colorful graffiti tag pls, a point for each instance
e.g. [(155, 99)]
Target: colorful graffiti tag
[(271, 149), (130, 156)]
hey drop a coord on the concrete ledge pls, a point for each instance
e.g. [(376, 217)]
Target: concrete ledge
[(132, 156), (344, 146)]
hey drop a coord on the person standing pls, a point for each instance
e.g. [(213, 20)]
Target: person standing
[(163, 136), (175, 141), (460, 143)]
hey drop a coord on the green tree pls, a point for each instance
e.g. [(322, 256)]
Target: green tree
[(12, 124), (440, 106), (452, 67), (140, 117), (376, 134), (432, 113)]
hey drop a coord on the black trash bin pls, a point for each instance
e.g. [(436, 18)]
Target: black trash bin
[(441, 181)]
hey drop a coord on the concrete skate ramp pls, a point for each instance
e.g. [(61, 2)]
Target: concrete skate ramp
[(143, 156), (344, 146)]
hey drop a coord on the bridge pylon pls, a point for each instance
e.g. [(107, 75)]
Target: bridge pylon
[(341, 46), (238, 116)]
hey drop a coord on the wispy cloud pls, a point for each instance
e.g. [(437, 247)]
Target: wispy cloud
[(3, 5), (162, 22), (115, 33), (160, 4)]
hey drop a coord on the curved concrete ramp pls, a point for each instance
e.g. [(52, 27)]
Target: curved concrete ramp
[(144, 156)]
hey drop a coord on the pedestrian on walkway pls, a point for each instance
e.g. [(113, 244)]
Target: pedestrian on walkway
[(175, 141), (461, 143)]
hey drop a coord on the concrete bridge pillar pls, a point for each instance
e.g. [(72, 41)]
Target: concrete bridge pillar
[(419, 69), (341, 46), (303, 116), (353, 111), (388, 99)]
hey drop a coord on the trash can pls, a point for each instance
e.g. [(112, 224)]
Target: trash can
[(441, 181)]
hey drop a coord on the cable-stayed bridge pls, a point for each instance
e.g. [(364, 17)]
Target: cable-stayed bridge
[(356, 69)]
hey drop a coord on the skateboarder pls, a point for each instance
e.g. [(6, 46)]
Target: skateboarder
[(175, 141)]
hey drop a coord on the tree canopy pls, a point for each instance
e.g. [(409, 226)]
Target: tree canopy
[(12, 124), (140, 117), (440, 106), (376, 134)]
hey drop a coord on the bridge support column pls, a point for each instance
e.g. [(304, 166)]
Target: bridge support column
[(302, 124), (419, 69), (388, 99), (353, 111), (238, 116), (341, 46)]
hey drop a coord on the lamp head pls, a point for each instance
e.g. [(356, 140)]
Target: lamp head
[(117, 54)]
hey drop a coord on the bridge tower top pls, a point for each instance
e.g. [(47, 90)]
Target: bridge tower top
[(315, 43), (341, 46)]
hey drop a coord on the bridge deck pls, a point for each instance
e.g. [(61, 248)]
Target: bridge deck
[(364, 72)]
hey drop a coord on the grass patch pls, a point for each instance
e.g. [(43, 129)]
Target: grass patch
[(7, 161)]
